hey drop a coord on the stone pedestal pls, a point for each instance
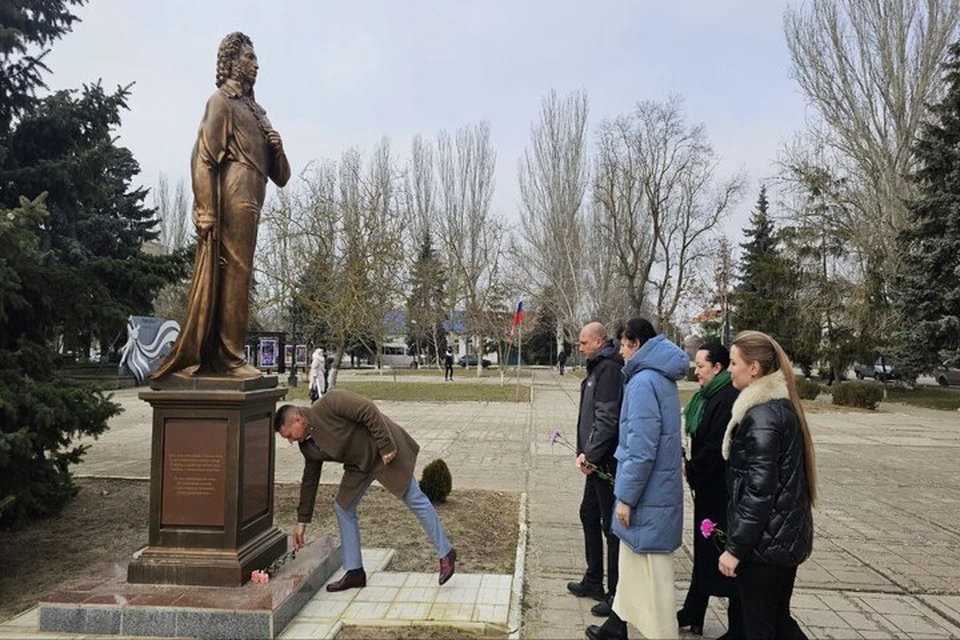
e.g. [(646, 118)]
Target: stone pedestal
[(211, 482), (104, 603)]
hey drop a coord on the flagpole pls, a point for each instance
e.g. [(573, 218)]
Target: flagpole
[(519, 350), (518, 326)]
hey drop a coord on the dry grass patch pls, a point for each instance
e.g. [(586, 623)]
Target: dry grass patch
[(107, 521), (482, 525)]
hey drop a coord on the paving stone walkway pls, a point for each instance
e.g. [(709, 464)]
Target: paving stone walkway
[(395, 599), (886, 562)]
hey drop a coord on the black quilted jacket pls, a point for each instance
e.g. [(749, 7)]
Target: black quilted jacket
[(769, 519), (598, 425)]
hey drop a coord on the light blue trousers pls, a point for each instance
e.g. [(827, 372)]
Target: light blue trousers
[(415, 500)]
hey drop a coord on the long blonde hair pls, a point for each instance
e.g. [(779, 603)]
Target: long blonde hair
[(758, 347)]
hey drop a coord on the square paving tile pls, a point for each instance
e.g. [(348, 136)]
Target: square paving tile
[(366, 611), (376, 594), (409, 610), (451, 612)]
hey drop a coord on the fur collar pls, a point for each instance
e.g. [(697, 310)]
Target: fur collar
[(768, 387)]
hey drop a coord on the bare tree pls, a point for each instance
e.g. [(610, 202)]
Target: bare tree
[(163, 208), (285, 244), (618, 189), (605, 294), (723, 284), (420, 190), (176, 231), (426, 305), (553, 175), (868, 68), (333, 246), (173, 213), (378, 228), (473, 238), (660, 200)]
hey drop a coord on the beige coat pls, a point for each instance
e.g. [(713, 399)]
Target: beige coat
[(348, 428)]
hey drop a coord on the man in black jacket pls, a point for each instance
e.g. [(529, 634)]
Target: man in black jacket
[(597, 435)]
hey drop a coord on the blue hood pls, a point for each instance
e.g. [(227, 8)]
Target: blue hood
[(662, 356)]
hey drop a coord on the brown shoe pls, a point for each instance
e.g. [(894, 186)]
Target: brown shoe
[(353, 579), (448, 564)]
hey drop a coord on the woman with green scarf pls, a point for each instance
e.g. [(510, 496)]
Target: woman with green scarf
[(705, 422)]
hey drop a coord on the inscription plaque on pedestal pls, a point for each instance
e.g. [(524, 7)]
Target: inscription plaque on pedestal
[(194, 473)]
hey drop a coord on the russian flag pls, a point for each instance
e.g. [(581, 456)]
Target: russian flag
[(517, 319)]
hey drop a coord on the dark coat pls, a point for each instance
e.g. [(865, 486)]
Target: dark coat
[(599, 419), (706, 475), (348, 428), (769, 517)]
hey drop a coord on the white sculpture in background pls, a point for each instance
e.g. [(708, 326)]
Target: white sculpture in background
[(149, 340)]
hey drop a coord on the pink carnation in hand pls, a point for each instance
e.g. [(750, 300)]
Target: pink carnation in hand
[(707, 527), (554, 436)]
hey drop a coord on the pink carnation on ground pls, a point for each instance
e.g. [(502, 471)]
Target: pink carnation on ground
[(259, 577), (707, 527)]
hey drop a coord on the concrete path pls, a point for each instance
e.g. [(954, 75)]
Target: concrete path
[(886, 562), (391, 599)]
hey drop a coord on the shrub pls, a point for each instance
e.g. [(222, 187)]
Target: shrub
[(857, 394), (808, 389), (436, 481)]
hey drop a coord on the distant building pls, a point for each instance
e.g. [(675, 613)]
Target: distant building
[(397, 353)]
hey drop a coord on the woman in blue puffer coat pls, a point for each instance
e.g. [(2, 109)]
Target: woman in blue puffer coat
[(648, 516)]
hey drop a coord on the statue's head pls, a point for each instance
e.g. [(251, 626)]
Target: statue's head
[(236, 59)]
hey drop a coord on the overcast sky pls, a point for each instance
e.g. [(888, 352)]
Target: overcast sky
[(340, 75)]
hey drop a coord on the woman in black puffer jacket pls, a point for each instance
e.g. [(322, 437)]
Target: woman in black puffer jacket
[(772, 483)]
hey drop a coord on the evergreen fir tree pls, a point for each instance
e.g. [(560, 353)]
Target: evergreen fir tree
[(927, 288), (763, 298), (41, 411), (24, 26), (72, 266), (64, 146)]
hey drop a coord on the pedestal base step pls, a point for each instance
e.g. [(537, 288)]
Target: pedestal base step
[(106, 603)]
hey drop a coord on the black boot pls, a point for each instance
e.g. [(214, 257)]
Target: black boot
[(586, 590), (603, 608), (612, 629), (683, 621)]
